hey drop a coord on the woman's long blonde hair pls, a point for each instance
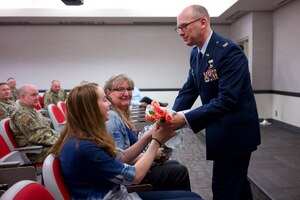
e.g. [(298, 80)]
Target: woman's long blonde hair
[(113, 83), (84, 120)]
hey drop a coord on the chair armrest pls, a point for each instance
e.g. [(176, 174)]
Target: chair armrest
[(10, 164), (44, 112), (30, 149), (13, 156)]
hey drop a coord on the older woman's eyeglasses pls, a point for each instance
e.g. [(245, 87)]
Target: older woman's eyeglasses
[(122, 90), (183, 27)]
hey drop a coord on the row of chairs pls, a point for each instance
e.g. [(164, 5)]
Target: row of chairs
[(12, 158), (54, 186)]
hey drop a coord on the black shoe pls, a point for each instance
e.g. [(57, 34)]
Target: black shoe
[(163, 104)]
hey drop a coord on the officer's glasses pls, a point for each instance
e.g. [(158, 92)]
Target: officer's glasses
[(183, 27)]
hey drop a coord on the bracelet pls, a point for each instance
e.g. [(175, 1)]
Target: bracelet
[(157, 141)]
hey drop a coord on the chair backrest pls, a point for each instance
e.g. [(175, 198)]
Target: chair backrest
[(62, 106), (57, 117), (41, 101), (27, 190), (38, 106), (18, 101), (7, 134), (4, 147), (53, 178)]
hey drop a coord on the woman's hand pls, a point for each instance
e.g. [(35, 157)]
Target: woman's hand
[(163, 133), (152, 130)]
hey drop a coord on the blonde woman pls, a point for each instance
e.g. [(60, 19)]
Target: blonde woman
[(163, 175)]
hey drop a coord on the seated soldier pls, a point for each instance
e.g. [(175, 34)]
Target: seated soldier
[(29, 126), (54, 95), (14, 92), (7, 106)]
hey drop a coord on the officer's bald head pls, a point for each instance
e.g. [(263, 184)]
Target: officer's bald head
[(26, 88), (29, 95)]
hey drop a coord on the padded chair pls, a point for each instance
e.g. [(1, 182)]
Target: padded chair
[(62, 106), (53, 178), (38, 106), (57, 117), (11, 144), (18, 101), (41, 101), (8, 137), (12, 158), (10, 170), (27, 190)]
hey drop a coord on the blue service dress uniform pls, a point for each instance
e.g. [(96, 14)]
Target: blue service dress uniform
[(228, 113)]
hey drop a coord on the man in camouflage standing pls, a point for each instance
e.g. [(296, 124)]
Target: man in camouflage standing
[(29, 126), (14, 92), (7, 106), (54, 95)]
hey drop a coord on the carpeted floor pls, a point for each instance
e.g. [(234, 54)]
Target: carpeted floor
[(192, 155), (274, 169)]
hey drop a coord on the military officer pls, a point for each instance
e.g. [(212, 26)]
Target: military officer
[(219, 74), (7, 106), (14, 92), (54, 95), (29, 126)]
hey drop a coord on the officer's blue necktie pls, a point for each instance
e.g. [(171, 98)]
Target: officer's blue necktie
[(199, 58)]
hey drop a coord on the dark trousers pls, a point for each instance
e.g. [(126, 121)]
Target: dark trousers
[(168, 195), (170, 175), (229, 181)]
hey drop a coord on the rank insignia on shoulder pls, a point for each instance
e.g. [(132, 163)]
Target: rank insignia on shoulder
[(221, 44), (225, 45)]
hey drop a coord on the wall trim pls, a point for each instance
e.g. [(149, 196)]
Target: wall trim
[(290, 127), (281, 124), (285, 93)]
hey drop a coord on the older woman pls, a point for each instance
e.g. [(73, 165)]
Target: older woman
[(89, 161), (168, 175)]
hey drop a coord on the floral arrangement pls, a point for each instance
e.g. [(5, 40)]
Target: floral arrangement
[(157, 113), (161, 115)]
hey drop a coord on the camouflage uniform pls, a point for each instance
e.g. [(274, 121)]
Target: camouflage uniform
[(14, 94), (53, 97), (31, 128), (7, 108)]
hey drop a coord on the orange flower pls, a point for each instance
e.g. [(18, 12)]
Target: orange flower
[(155, 106), (149, 118), (156, 116), (161, 112), (156, 113)]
